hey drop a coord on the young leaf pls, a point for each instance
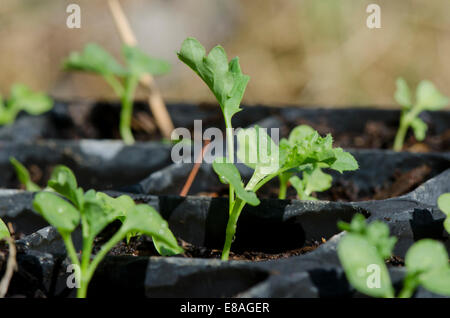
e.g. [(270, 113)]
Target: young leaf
[(426, 255), (344, 161), (364, 268), (58, 212), (444, 206), (427, 264), (25, 99), (63, 181), (4, 231), (94, 59), (229, 174), (139, 63), (403, 93), (420, 128), (24, 176), (429, 98), (316, 180), (224, 79), (146, 220)]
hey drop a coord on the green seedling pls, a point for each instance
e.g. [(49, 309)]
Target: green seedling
[(313, 178), (23, 98), (428, 98), (24, 176), (4, 232), (444, 206), (95, 210), (364, 249), (256, 148), (123, 79)]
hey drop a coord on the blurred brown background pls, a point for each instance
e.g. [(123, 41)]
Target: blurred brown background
[(308, 52)]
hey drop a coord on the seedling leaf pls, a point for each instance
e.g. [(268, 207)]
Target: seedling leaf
[(58, 212), (429, 98), (94, 59), (420, 128), (224, 79), (144, 219), (229, 174), (403, 93), (139, 62), (4, 232), (23, 175), (363, 266), (63, 181)]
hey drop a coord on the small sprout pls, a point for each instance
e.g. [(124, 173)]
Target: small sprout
[(24, 176), (4, 231), (95, 210), (304, 150), (123, 79), (444, 206), (23, 98), (428, 98), (364, 249), (306, 139)]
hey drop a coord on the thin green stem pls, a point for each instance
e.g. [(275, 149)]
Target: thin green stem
[(284, 180), (405, 121), (71, 252), (127, 110), (231, 227), (410, 284), (102, 253), (230, 151), (115, 84)]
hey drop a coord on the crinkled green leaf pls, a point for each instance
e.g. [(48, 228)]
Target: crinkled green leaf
[(139, 62), (344, 161), (224, 79), (4, 231), (378, 234), (57, 211), (420, 128), (429, 97), (403, 93), (229, 174), (363, 266), (299, 187), (146, 220), (316, 180), (23, 175), (63, 181), (94, 59), (300, 133)]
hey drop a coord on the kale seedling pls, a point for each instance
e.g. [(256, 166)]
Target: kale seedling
[(123, 79), (256, 149), (20, 99), (444, 206), (428, 98), (95, 210), (364, 249)]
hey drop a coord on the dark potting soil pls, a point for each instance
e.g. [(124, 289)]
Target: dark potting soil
[(379, 135), (143, 246), (347, 191)]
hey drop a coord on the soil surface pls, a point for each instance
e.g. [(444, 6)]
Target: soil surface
[(378, 135), (346, 191), (143, 246)]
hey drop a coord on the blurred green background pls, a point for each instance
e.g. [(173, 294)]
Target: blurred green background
[(305, 52)]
